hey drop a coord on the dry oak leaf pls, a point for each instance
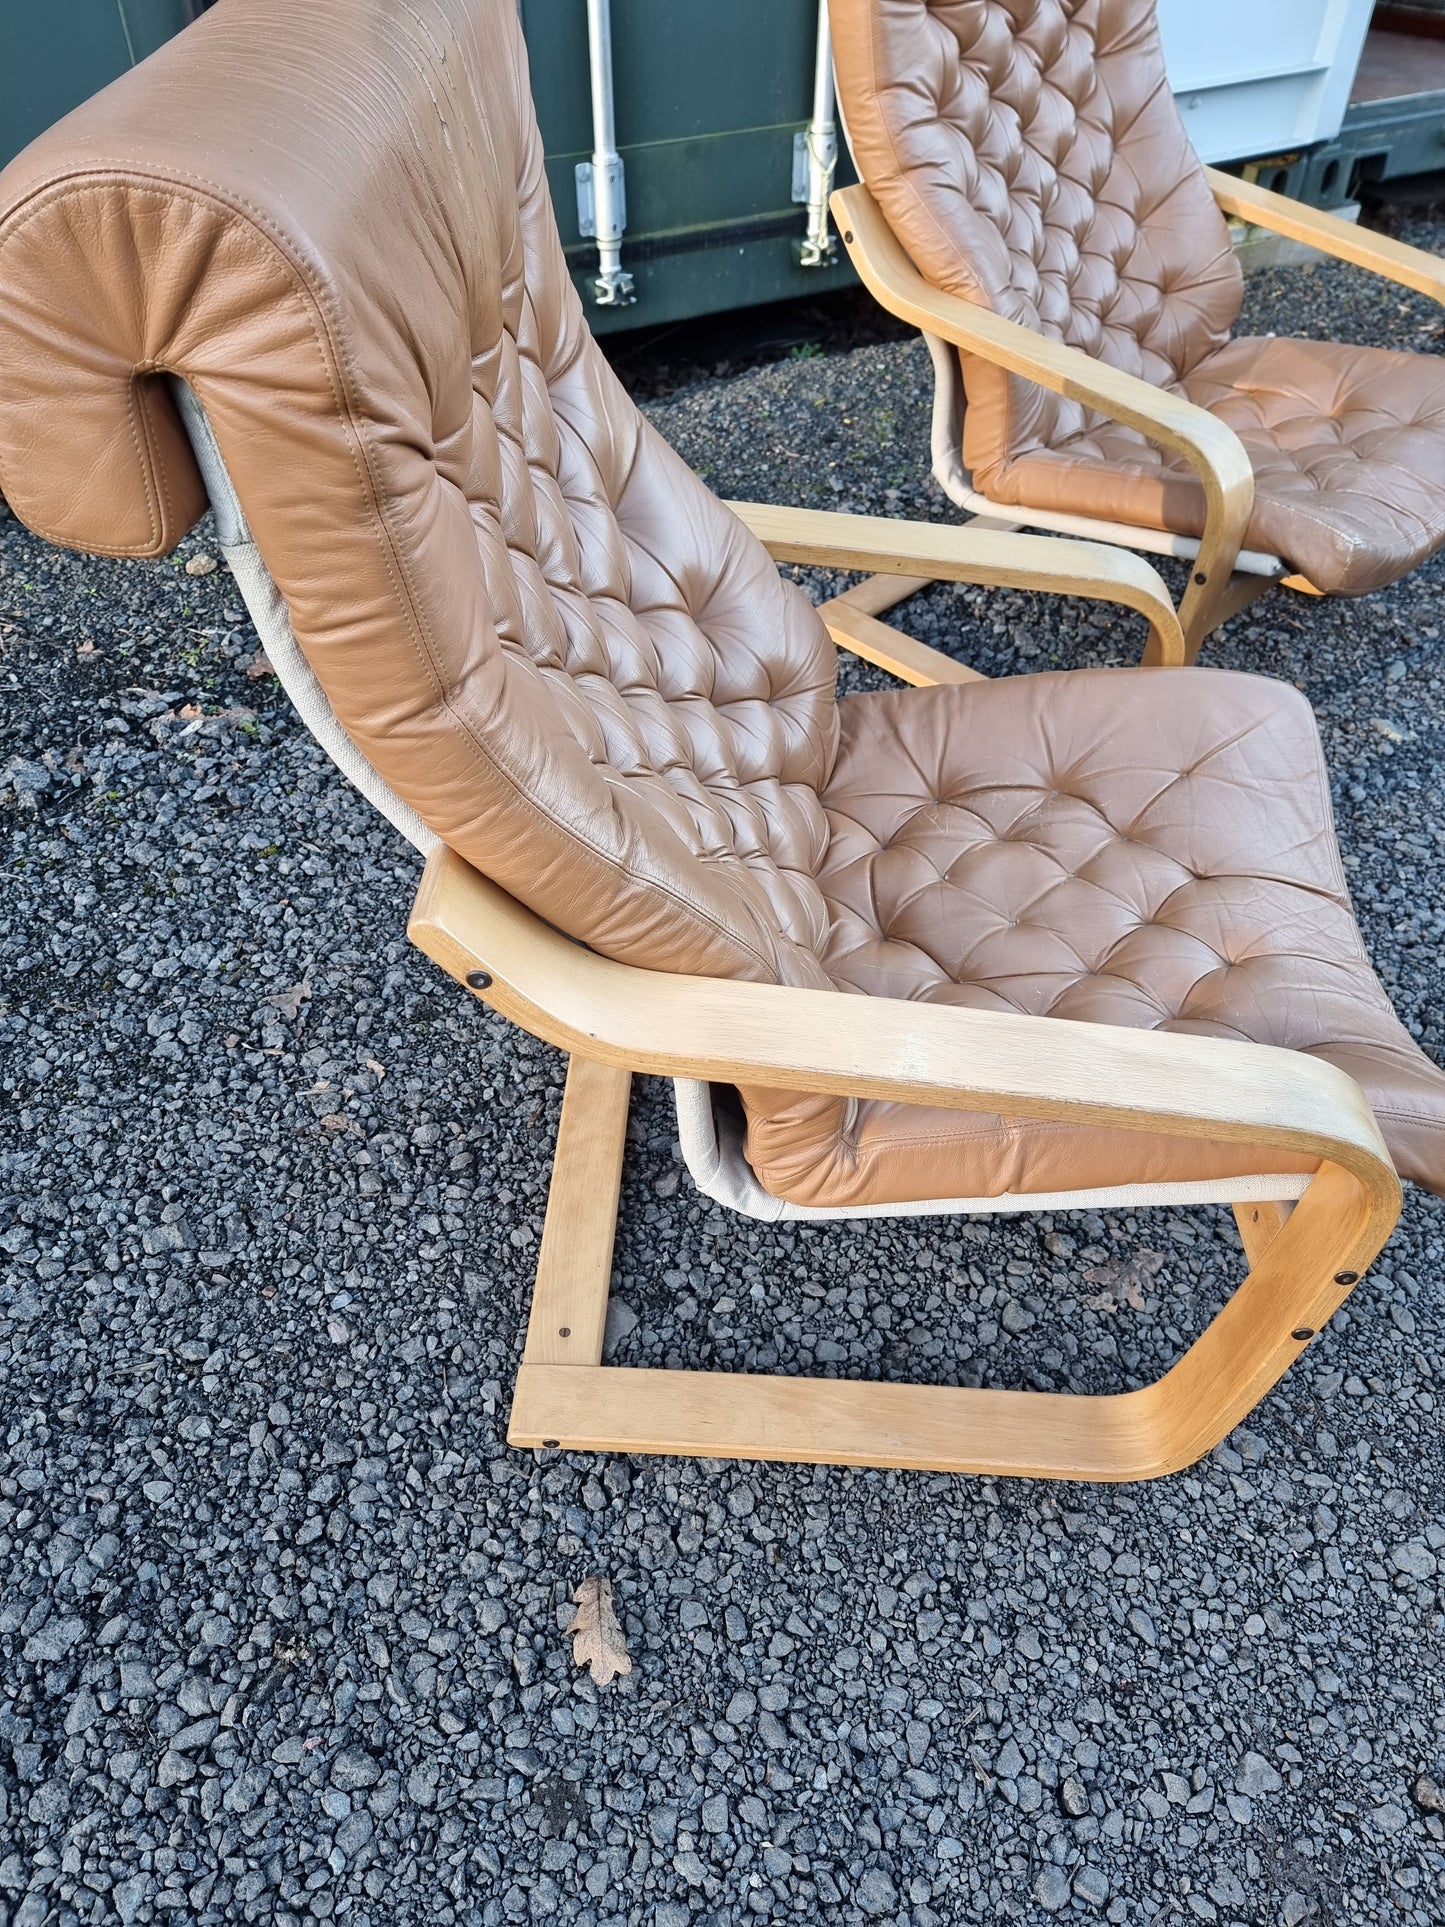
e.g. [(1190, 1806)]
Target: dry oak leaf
[(1122, 1281), (597, 1640), (289, 1002), (259, 666)]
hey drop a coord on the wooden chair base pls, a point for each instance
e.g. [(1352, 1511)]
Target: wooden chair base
[(1303, 1263), (852, 620)]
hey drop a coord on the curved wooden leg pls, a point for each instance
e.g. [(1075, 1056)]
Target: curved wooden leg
[(574, 1267), (1295, 1285), (852, 621), (1235, 593), (1302, 1267)]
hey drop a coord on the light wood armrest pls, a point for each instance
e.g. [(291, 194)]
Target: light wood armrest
[(886, 546), (1410, 267), (930, 1054), (616, 1020), (1210, 446)]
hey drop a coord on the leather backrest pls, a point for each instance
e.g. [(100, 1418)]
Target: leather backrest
[(332, 220), (1029, 156)]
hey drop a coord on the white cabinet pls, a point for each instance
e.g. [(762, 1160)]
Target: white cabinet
[(1261, 77)]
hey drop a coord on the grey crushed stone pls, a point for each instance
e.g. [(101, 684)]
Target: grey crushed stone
[(279, 1610), (1073, 1797), (1051, 1889)]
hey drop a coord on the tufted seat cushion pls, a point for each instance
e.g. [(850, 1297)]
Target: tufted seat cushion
[(1140, 847), (1347, 446), (1029, 155)]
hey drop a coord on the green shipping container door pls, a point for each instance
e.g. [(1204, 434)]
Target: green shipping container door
[(707, 102)]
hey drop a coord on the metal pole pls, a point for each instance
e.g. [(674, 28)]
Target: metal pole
[(601, 197), (820, 248)]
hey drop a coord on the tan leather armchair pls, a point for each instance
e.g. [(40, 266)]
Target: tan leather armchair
[(1065, 940), (1031, 201)]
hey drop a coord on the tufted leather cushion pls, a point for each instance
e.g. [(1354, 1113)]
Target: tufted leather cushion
[(1029, 155), (554, 644), (546, 634), (1142, 847), (1347, 445)]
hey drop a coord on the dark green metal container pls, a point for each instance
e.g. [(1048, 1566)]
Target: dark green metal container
[(708, 100)]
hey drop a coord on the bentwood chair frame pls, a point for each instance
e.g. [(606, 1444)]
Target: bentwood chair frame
[(615, 1021), (1224, 578), (128, 288)]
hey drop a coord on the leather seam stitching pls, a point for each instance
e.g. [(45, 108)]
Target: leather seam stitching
[(1412, 1118)]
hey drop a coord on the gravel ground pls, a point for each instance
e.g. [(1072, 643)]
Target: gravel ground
[(280, 1614)]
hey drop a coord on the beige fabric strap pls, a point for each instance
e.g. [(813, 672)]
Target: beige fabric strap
[(711, 1136), (268, 612)]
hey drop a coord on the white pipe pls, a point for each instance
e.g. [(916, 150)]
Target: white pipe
[(820, 248), (613, 286)]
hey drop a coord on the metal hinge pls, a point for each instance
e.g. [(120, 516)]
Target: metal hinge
[(800, 166), (587, 199)]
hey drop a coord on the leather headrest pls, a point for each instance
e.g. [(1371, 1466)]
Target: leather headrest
[(92, 451), (180, 222)]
